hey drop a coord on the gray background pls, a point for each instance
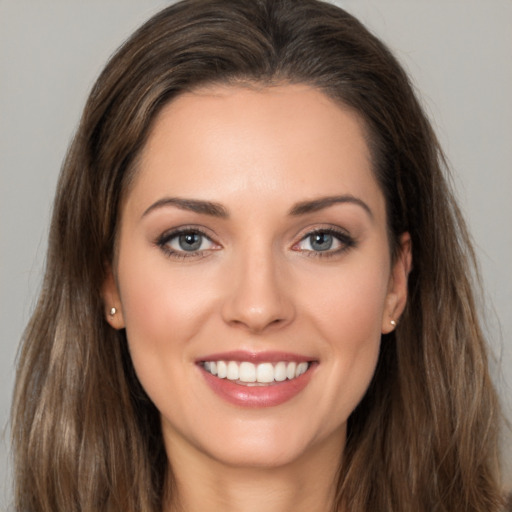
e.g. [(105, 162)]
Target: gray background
[(458, 53)]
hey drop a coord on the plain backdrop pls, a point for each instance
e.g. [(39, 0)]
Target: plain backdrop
[(458, 53)]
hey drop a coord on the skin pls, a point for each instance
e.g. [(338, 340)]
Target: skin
[(256, 285)]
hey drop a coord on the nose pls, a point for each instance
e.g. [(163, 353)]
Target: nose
[(258, 298)]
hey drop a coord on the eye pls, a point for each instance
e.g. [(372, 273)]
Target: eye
[(319, 242), (185, 243), (189, 242), (324, 242)]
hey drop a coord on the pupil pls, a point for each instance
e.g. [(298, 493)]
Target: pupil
[(321, 241), (190, 241)]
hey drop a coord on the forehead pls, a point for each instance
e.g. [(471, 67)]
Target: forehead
[(225, 140)]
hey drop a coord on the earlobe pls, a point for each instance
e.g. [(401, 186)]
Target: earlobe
[(112, 302), (396, 298)]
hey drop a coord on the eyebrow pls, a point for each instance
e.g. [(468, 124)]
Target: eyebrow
[(315, 205), (217, 210), (192, 205)]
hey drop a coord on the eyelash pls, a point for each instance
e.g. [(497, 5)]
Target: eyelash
[(163, 242), (347, 242)]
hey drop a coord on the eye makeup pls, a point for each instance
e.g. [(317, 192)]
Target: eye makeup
[(193, 242), (186, 242), (325, 242)]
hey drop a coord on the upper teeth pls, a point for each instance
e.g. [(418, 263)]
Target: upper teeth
[(249, 372)]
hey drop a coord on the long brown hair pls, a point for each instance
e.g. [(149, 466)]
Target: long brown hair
[(86, 437)]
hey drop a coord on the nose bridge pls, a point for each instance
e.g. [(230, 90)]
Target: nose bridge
[(257, 290)]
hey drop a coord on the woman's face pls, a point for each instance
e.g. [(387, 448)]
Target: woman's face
[(253, 247)]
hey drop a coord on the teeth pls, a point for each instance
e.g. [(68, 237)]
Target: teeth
[(280, 372), (263, 373), (301, 368), (247, 372), (232, 373), (290, 370), (222, 370)]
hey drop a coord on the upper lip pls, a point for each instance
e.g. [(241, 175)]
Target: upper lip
[(256, 357)]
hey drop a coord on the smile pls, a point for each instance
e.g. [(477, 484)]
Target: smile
[(257, 379), (251, 374)]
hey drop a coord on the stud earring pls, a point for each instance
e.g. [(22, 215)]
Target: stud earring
[(393, 323), (113, 311)]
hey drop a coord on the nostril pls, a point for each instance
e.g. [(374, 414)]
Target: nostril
[(257, 300), (254, 325), (256, 320)]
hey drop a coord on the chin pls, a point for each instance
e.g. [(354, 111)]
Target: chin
[(272, 446)]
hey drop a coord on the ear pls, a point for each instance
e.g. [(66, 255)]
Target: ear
[(397, 288), (112, 301)]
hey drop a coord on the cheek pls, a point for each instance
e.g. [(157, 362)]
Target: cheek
[(352, 326), (349, 304), (163, 310), (348, 316), (160, 301)]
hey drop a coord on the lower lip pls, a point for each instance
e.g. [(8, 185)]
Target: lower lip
[(257, 396)]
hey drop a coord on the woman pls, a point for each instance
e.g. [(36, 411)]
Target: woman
[(258, 291)]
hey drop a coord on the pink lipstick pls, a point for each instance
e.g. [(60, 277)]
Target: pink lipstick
[(249, 379)]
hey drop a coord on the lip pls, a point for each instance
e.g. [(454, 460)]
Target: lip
[(257, 396), (256, 357)]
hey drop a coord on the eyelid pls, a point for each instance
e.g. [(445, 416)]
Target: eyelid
[(162, 241), (345, 239)]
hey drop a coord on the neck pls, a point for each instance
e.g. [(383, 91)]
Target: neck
[(306, 485)]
